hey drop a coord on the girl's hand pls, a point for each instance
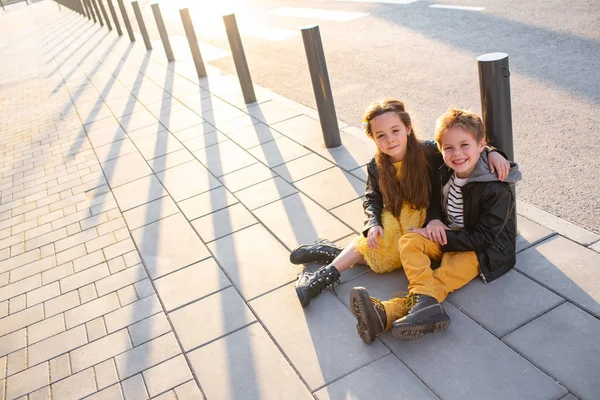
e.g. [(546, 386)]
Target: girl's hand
[(436, 232), (373, 236), (498, 164)]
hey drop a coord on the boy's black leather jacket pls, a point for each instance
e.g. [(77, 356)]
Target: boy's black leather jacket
[(489, 215), (373, 205)]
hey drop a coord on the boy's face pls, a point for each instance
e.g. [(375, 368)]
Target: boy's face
[(461, 151)]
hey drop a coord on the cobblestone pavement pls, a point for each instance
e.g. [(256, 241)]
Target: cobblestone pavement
[(146, 220)]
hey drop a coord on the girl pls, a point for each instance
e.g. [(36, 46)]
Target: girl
[(397, 198)]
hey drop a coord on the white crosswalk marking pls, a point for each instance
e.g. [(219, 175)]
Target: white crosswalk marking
[(313, 13), (374, 1), (267, 32), (465, 8)]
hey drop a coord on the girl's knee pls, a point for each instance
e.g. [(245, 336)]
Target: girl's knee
[(409, 238)]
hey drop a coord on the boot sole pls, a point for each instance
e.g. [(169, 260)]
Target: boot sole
[(303, 301), (411, 331), (358, 299)]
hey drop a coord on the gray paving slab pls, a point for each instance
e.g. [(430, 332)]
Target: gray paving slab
[(207, 203), (265, 192), (223, 222), (253, 135), (210, 318), (271, 112), (473, 363), (157, 145), (530, 233), (246, 177), (332, 187), (139, 191), (202, 141), (124, 169), (297, 220), (386, 378), (302, 167), (255, 368), (224, 157), (352, 214), (190, 283), (106, 135), (187, 180), (320, 341), (506, 303), (565, 267), (352, 154), (115, 150), (563, 342), (170, 160), (596, 246), (278, 151), (254, 260), (168, 245), (150, 212)]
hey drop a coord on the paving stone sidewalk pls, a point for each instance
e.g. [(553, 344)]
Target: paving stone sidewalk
[(146, 220)]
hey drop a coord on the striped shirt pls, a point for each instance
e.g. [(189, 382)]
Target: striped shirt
[(453, 202)]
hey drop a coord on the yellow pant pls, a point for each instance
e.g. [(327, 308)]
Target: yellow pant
[(416, 252)]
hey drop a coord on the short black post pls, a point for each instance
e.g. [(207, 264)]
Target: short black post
[(142, 25), (91, 8), (97, 11), (239, 58), (105, 15), (321, 86), (193, 41), (162, 30), (113, 13), (126, 20), (494, 89)]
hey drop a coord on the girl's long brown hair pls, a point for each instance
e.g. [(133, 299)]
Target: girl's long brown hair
[(414, 186)]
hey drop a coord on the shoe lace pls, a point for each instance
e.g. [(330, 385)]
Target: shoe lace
[(411, 299), (321, 282), (377, 304)]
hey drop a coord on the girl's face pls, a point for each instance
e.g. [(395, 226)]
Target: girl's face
[(390, 135), (461, 151)]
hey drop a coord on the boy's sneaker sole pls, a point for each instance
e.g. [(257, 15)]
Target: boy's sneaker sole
[(411, 331), (362, 309)]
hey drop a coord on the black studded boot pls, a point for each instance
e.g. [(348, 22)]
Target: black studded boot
[(310, 284), (322, 251)]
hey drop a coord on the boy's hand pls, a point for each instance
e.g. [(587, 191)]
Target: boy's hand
[(436, 232), (498, 164), (373, 236), (420, 231)]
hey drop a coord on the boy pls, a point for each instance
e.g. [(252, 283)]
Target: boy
[(478, 237)]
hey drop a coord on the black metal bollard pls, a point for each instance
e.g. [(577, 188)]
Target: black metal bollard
[(105, 15), (111, 7), (126, 20), (97, 12), (494, 88), (320, 81), (141, 24), (162, 30), (190, 33), (239, 58)]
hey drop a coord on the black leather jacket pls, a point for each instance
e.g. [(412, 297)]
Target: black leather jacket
[(373, 205), (489, 215)]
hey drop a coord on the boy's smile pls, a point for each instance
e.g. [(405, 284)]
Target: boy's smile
[(461, 151)]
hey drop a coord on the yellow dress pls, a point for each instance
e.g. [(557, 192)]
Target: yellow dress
[(386, 256)]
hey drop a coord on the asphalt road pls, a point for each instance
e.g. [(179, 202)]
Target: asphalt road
[(427, 57)]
